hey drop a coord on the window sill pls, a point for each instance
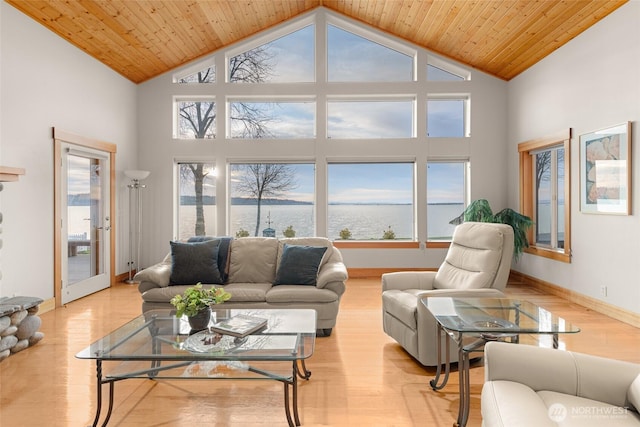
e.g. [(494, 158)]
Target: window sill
[(377, 244), (549, 253)]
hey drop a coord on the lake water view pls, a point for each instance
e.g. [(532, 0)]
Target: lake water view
[(365, 222)]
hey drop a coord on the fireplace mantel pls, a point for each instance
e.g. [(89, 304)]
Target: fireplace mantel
[(8, 174)]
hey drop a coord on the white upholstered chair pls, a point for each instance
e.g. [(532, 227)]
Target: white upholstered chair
[(477, 265)]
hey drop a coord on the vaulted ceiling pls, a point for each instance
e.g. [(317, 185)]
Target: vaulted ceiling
[(141, 39)]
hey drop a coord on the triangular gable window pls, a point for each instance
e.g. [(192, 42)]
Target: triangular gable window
[(353, 58), (439, 70), (206, 75), (287, 59)]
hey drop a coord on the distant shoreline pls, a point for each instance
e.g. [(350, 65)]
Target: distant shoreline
[(84, 200)]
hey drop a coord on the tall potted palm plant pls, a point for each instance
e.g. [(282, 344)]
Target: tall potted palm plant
[(480, 211)]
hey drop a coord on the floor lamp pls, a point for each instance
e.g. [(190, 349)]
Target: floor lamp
[(135, 217)]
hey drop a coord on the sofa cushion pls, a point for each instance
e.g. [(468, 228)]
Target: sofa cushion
[(307, 241), (247, 292), (300, 294), (299, 265), (194, 262), (253, 260), (224, 247), (633, 393)]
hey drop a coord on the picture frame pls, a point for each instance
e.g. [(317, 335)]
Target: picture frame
[(605, 171)]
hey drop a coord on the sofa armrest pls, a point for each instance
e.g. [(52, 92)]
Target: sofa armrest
[(156, 276), (331, 272), (404, 280), (597, 378)]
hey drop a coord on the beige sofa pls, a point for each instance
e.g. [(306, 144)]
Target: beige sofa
[(539, 387), (248, 271)]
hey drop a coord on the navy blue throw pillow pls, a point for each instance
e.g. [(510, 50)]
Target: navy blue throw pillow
[(224, 248), (299, 265), (195, 262)]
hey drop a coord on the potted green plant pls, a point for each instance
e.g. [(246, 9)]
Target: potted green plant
[(195, 303), (480, 211)]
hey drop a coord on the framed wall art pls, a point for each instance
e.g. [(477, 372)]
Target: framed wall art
[(605, 171)]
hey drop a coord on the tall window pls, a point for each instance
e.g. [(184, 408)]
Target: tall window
[(549, 183), (446, 197), (345, 98), (545, 194), (370, 201), (272, 199), (196, 200)]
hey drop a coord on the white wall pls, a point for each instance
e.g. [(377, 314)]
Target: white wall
[(46, 82), (485, 149), (591, 83)]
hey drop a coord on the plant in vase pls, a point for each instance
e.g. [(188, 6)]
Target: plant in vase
[(195, 303)]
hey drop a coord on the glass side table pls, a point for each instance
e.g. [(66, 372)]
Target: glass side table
[(471, 322)]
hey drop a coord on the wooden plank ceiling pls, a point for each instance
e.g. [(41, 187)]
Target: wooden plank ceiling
[(141, 39)]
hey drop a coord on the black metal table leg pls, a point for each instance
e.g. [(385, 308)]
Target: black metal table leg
[(434, 382), (99, 392), (287, 407), (465, 390), (99, 385)]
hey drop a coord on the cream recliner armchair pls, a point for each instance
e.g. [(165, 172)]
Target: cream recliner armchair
[(477, 265)]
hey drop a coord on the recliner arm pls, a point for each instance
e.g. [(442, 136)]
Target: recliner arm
[(404, 280)]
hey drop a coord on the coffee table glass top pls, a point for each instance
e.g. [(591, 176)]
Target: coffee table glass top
[(159, 335), (496, 316)]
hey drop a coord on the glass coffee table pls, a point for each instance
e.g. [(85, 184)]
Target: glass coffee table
[(157, 345), (472, 322)]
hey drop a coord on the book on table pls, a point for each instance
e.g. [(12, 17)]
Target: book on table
[(240, 325)]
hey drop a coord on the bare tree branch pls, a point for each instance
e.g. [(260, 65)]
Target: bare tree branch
[(262, 180)]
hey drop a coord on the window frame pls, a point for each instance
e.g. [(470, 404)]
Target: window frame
[(276, 100), (526, 153), (280, 161), (410, 242), (372, 99), (176, 115), (466, 112), (177, 162), (322, 149), (464, 74), (467, 197), (375, 37), (193, 69)]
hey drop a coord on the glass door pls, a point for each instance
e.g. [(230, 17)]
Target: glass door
[(85, 222)]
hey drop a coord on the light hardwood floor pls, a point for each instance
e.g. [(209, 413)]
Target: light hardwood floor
[(360, 376)]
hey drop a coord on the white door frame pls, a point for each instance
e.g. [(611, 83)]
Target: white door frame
[(60, 138)]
